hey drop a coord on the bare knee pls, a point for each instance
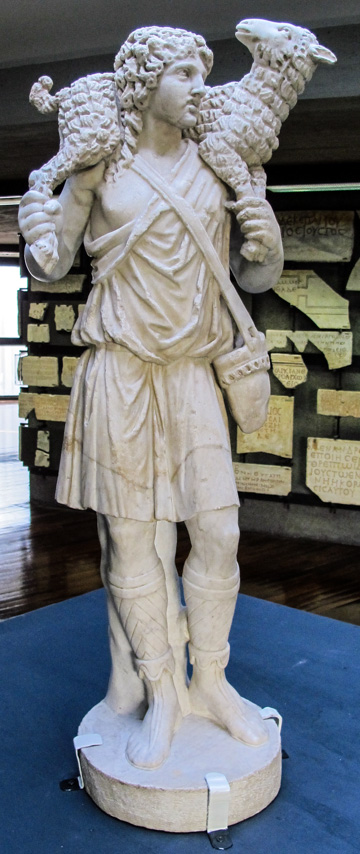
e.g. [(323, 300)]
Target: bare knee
[(214, 538), (131, 545)]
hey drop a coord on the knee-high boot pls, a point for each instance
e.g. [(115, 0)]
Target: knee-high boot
[(211, 604), (142, 605)]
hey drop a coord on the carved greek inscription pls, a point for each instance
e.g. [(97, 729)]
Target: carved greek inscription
[(47, 407), (64, 318), (317, 235), (70, 284), (340, 403), (289, 368), (38, 333), (336, 346), (268, 480), (70, 364), (311, 295), (39, 370), (276, 435), (333, 470), (37, 310)]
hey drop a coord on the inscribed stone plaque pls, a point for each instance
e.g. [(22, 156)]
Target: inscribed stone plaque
[(353, 282), (333, 470), (289, 368), (70, 284), (38, 333), (47, 407), (64, 318), (336, 346), (310, 294), (39, 370), (268, 480), (70, 364), (340, 403), (276, 435), (317, 235), (37, 310)]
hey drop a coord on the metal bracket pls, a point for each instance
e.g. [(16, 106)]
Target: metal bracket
[(89, 739), (271, 714), (218, 810)]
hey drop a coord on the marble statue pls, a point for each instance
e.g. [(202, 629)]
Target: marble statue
[(154, 161)]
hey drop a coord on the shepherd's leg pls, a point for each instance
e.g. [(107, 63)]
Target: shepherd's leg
[(137, 584), (211, 583)]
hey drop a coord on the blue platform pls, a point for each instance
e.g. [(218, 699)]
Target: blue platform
[(54, 665)]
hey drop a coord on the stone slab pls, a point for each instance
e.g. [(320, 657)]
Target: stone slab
[(317, 235), (69, 365), (289, 368), (64, 316), (174, 796), (276, 435), (340, 403), (311, 295), (263, 479), (47, 407), (333, 470), (38, 333), (39, 370), (37, 310), (71, 284)]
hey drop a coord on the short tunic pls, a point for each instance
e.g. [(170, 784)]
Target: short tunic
[(146, 435)]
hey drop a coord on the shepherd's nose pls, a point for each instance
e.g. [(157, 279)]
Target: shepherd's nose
[(198, 86)]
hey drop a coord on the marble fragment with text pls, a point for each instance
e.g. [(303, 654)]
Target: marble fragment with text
[(289, 369), (69, 365), (336, 346), (317, 235), (42, 454), (70, 284), (47, 407), (333, 470), (338, 403), (39, 371), (276, 435), (38, 333), (263, 479), (64, 318), (311, 295), (37, 310)]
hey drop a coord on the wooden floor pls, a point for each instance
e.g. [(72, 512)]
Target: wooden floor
[(50, 554)]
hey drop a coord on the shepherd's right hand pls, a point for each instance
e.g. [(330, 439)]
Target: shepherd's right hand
[(39, 214)]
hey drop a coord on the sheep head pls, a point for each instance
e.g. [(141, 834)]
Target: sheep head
[(273, 44)]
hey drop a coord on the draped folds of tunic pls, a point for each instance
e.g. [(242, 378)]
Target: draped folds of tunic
[(146, 434)]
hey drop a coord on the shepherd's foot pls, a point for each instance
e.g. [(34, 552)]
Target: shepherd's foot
[(213, 697), (150, 744)]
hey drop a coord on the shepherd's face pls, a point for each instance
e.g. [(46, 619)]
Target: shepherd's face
[(177, 97)]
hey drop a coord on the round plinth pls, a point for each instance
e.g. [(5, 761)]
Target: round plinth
[(174, 797)]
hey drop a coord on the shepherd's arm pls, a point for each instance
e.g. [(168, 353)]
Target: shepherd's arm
[(67, 215)]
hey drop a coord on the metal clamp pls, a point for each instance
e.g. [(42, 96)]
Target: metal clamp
[(89, 739), (218, 810)]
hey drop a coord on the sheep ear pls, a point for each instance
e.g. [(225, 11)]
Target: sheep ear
[(322, 54)]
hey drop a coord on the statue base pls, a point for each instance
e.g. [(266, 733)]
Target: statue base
[(174, 797)]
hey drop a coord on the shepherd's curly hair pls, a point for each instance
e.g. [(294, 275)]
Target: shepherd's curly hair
[(138, 66)]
